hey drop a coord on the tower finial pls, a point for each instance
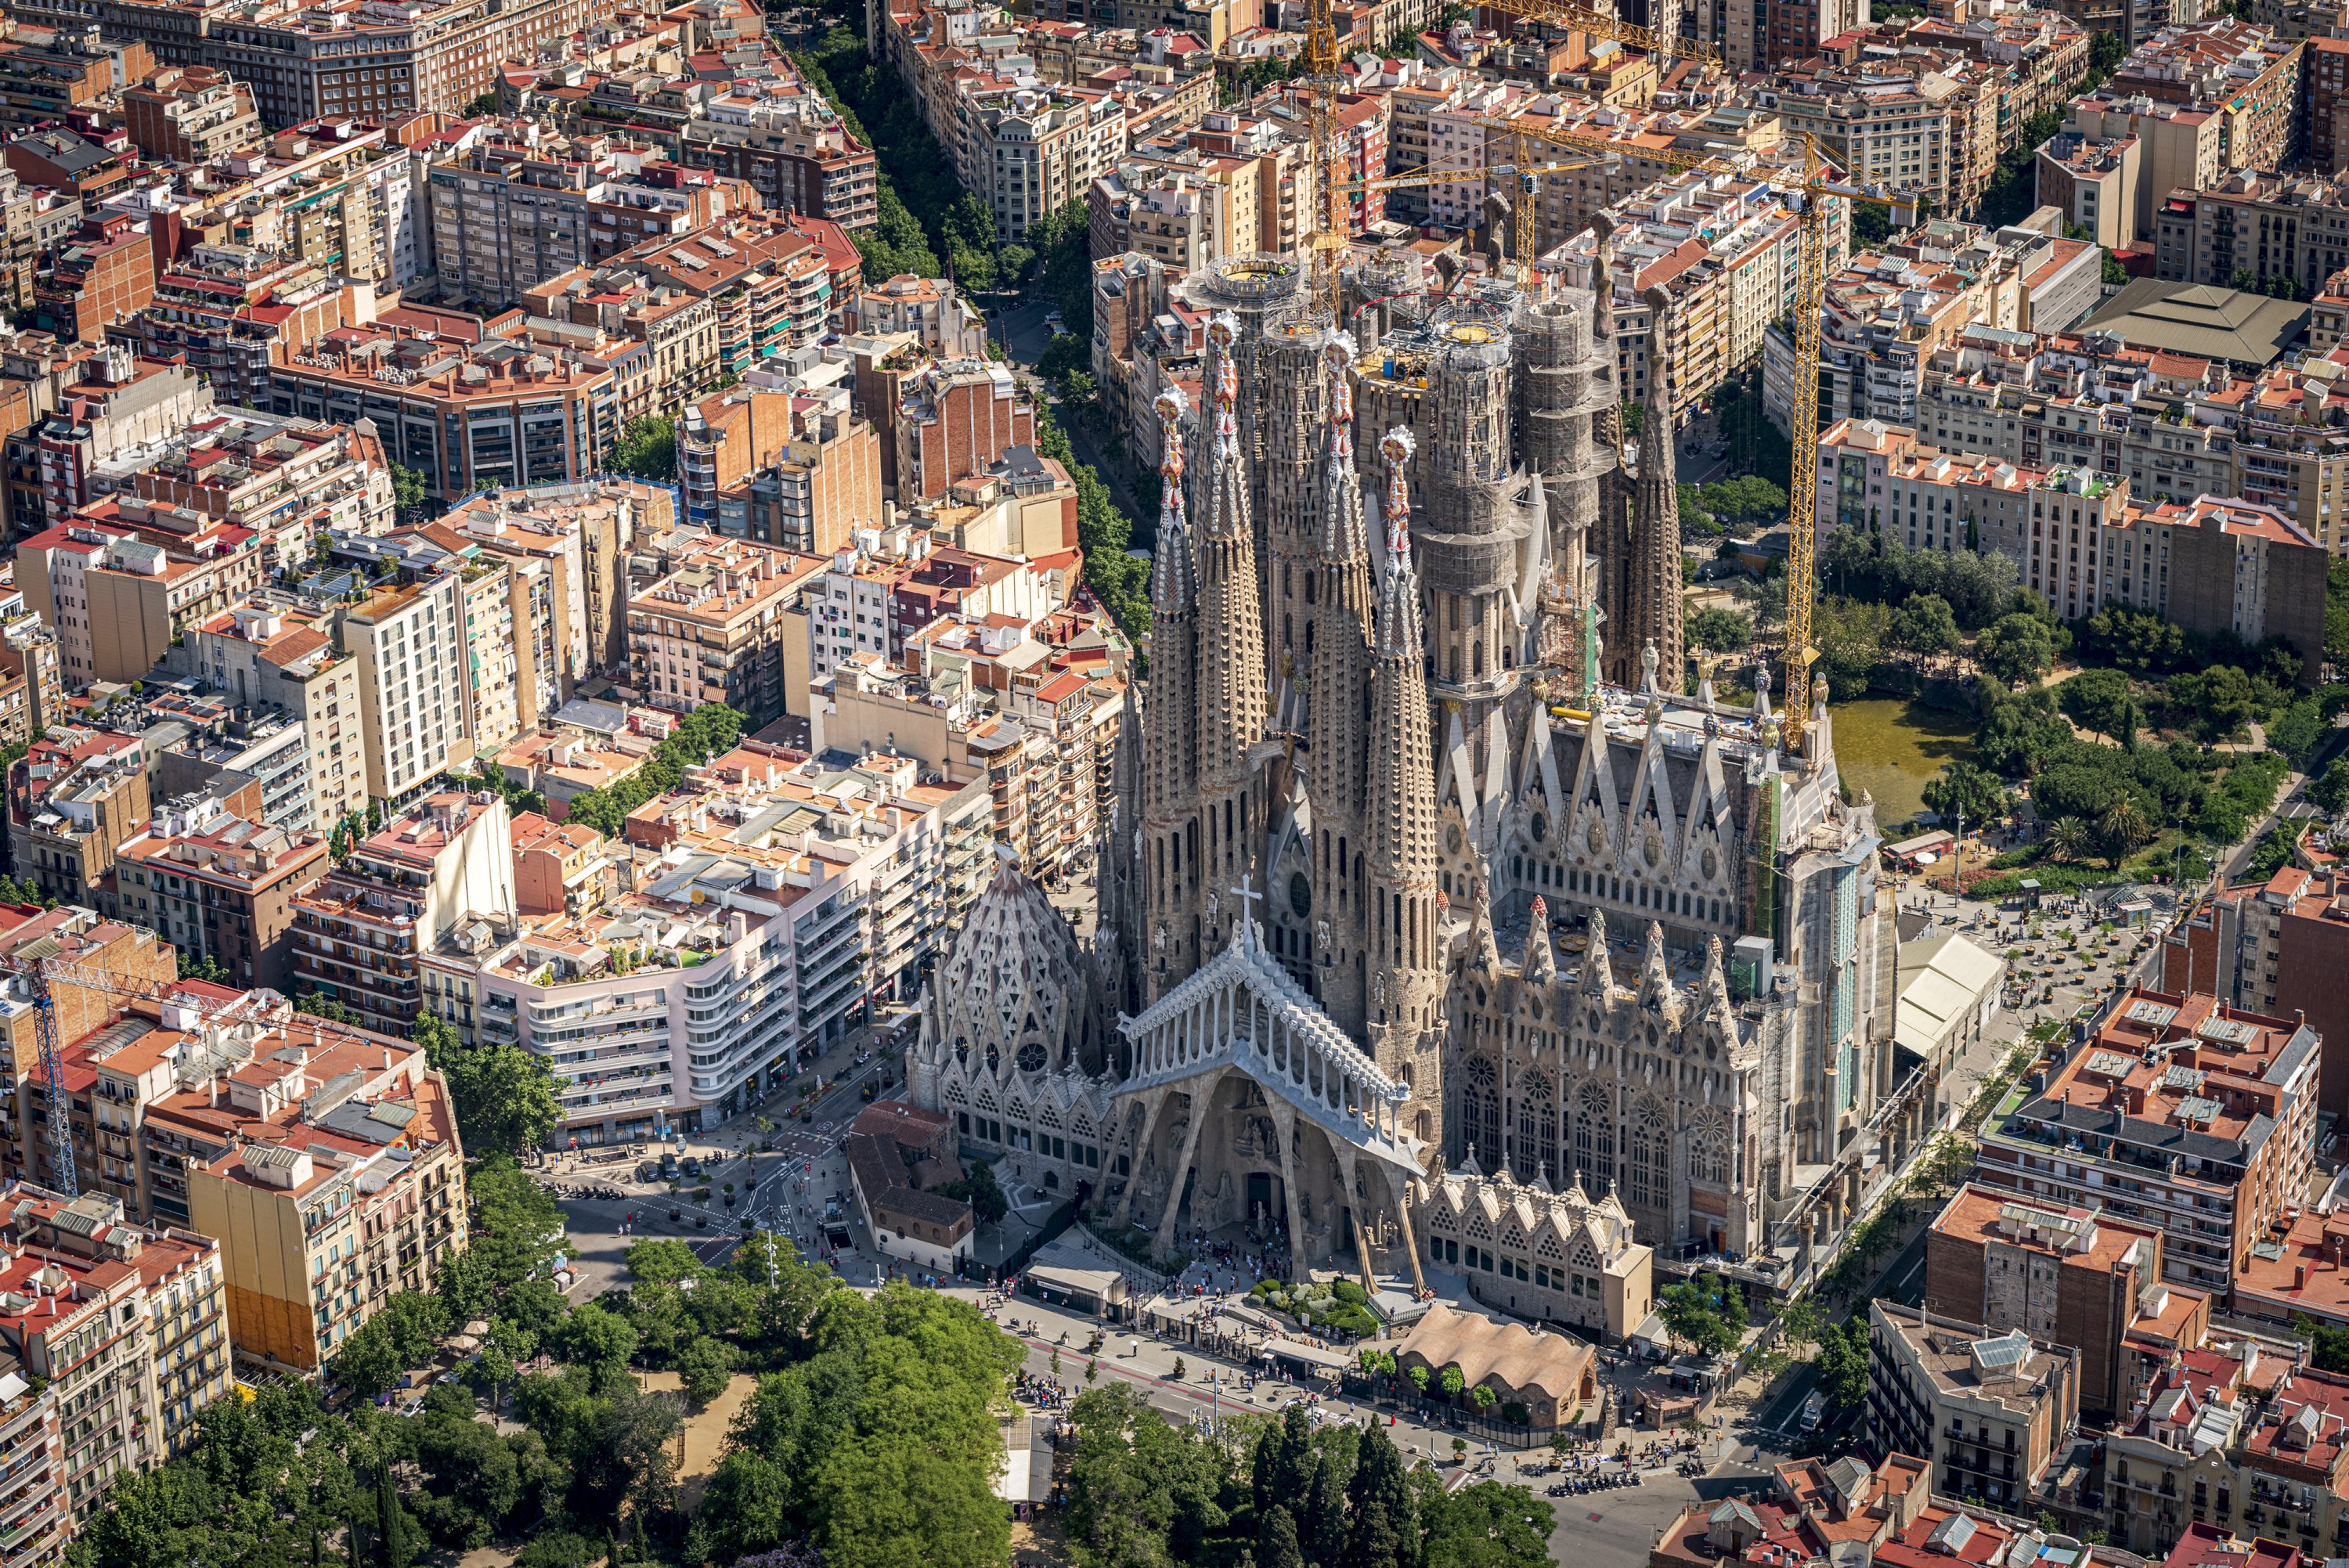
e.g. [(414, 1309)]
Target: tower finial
[(1338, 358), (1397, 448), (1223, 330)]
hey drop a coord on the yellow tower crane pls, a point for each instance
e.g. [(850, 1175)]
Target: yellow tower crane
[(1808, 193), (1599, 25)]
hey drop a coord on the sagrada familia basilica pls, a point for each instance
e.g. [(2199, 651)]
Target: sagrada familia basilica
[(1439, 927)]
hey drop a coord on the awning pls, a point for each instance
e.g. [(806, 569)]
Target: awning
[(1310, 1355), (1095, 1284)]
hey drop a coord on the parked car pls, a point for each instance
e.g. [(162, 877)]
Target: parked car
[(413, 1407), (648, 1171)]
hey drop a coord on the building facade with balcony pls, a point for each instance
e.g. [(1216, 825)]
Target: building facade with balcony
[(327, 1157), (773, 905), (360, 933), (126, 1327), (2177, 1112), (1991, 1411)]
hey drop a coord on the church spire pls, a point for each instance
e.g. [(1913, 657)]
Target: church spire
[(1231, 700), (1167, 936), (1406, 993), (1652, 591), (1338, 672)]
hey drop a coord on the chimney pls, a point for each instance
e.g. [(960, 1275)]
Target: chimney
[(387, 1059)]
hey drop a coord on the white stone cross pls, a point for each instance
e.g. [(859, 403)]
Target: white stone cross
[(1248, 914)]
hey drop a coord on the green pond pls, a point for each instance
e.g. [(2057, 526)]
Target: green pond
[(1893, 748)]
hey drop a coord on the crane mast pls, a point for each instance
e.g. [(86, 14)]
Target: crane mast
[(42, 976)]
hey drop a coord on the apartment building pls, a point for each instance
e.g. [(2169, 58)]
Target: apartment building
[(517, 207), (221, 887), (2065, 1276), (793, 151), (114, 414), (2235, 1435), (1899, 123), (340, 192), (820, 489), (105, 272), (2093, 181), (711, 626), (930, 310), (360, 933), (32, 1514), (467, 415), (525, 610), (1882, 477), (2324, 78), (302, 64), (2276, 947), (769, 278), (191, 114), (720, 439), (658, 345), (95, 948), (2245, 76), (283, 659), (1991, 1412), (408, 644), (560, 868), (2262, 225), (584, 535), (1891, 310), (2165, 422), (327, 1156), (230, 312), (1026, 151), (775, 903), (45, 74), (953, 419), (1722, 249), (32, 681), (73, 799), (2203, 1115), (126, 1327)]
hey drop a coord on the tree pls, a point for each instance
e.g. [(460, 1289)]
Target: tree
[(705, 1367), (1723, 631), (2095, 699), (1452, 1380), (407, 488), (2017, 647), (1486, 1526), (472, 1482), (2214, 702), (647, 447), (395, 1539), (1841, 1368), (1925, 624), (977, 1188), (1965, 788), (201, 967), (2123, 828), (1707, 1313), (1801, 1322), (2068, 841), (517, 1228), (2330, 792)]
